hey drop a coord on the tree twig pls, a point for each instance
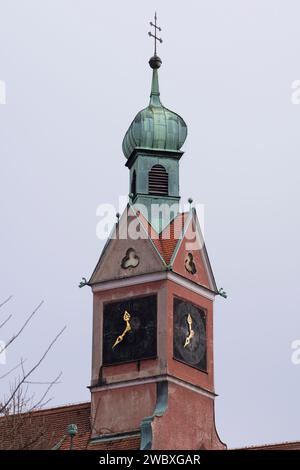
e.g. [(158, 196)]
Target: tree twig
[(11, 370), (6, 320), (15, 336), (54, 382), (5, 301), (27, 374)]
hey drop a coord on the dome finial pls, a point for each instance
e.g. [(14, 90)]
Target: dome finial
[(155, 61)]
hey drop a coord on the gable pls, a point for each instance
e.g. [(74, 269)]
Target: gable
[(190, 257), (126, 254)]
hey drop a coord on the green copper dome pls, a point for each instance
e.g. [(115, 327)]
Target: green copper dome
[(155, 127)]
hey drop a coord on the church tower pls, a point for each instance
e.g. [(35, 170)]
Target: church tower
[(154, 290)]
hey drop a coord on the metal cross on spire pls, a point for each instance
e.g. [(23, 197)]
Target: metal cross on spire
[(156, 28)]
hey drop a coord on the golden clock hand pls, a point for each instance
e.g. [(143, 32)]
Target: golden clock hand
[(188, 339), (191, 331), (118, 340), (126, 318), (190, 321)]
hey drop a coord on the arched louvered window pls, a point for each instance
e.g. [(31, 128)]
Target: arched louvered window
[(133, 183), (158, 181)]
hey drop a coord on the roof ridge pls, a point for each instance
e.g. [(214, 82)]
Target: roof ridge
[(54, 409), (256, 446)]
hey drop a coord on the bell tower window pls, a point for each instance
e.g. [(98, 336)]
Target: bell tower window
[(158, 183)]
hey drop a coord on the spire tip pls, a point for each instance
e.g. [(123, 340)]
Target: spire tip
[(155, 61)]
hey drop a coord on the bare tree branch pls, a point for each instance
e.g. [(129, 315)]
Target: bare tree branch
[(54, 382), (15, 336), (20, 427), (11, 370), (22, 366), (40, 383), (6, 320), (27, 374), (6, 300)]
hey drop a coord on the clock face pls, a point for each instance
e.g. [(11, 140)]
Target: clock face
[(189, 343), (129, 330)]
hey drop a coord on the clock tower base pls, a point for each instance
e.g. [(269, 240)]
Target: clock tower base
[(167, 413)]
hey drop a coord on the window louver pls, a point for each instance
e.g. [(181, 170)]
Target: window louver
[(158, 181)]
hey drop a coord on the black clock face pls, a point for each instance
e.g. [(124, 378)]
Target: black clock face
[(129, 330), (189, 334)]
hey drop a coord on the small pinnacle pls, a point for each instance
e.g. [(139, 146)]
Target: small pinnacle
[(72, 430)]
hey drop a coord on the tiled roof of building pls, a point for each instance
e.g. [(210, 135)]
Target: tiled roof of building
[(125, 443), (47, 429), (294, 445), (43, 429)]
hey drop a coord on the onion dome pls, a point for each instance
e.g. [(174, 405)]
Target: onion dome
[(155, 127)]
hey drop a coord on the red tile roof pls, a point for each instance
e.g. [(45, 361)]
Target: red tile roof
[(126, 443), (47, 429), (280, 446), (43, 429), (167, 240)]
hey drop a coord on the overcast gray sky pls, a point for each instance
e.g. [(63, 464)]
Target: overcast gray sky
[(76, 73)]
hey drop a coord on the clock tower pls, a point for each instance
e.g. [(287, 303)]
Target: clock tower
[(154, 290)]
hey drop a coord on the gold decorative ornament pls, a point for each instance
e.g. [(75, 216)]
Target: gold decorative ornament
[(120, 338)]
